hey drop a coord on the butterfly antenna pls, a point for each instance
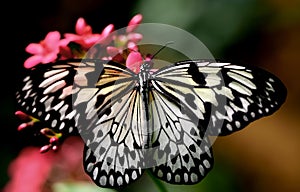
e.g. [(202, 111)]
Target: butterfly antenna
[(168, 43)]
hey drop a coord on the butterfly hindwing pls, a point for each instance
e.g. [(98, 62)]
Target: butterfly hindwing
[(180, 152), (116, 166), (114, 155)]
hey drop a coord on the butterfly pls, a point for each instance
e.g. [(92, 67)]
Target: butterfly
[(157, 120)]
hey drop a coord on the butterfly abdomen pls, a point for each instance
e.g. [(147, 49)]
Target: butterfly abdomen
[(144, 79)]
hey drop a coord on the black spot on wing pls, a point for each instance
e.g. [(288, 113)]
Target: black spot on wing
[(197, 76), (265, 98)]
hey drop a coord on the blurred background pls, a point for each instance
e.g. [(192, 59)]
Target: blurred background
[(262, 157)]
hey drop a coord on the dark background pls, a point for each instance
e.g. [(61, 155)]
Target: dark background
[(264, 156)]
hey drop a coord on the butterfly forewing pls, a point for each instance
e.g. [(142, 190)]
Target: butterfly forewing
[(112, 126), (223, 96), (46, 94)]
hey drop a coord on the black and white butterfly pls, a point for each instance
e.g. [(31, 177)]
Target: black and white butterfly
[(160, 120)]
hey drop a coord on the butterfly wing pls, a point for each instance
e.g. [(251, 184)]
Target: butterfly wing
[(180, 153), (100, 102), (45, 94), (192, 100), (221, 97), (112, 126)]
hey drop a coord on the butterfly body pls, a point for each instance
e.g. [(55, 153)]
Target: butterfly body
[(144, 76), (159, 120)]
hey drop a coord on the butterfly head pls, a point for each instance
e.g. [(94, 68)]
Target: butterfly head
[(146, 66)]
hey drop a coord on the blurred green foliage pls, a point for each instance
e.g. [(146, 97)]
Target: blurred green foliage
[(78, 187), (218, 23), (221, 178)]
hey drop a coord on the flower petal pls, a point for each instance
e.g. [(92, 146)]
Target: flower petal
[(112, 51), (33, 61), (135, 37), (64, 42), (90, 40), (132, 46), (52, 39), (82, 28), (107, 30), (103, 39), (49, 58), (34, 48), (133, 23), (72, 37), (134, 61), (29, 171)]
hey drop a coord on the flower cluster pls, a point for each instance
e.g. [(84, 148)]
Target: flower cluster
[(82, 44), (34, 172)]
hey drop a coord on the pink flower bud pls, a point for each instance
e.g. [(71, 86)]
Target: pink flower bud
[(107, 30), (22, 115), (135, 37), (112, 51), (45, 148), (132, 46), (133, 23), (82, 28), (22, 126), (53, 140), (54, 147)]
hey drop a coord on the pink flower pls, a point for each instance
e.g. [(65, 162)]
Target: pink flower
[(124, 44), (105, 34), (133, 23), (29, 171), (44, 52), (84, 35), (134, 61), (125, 48), (32, 171)]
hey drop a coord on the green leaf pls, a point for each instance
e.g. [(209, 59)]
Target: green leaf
[(79, 187)]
